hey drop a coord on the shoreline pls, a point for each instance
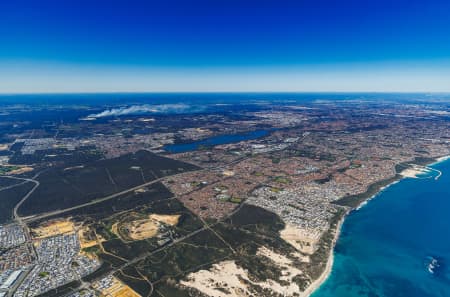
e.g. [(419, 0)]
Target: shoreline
[(440, 160), (316, 284), (329, 267)]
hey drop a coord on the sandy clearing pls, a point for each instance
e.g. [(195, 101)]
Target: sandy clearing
[(171, 220), (227, 279), (20, 170), (289, 271), (323, 277), (142, 229), (413, 172), (303, 240), (83, 237), (53, 228)]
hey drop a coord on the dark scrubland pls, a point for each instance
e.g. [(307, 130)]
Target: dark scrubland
[(57, 156), (67, 187), (132, 249), (132, 278), (115, 252), (10, 197), (240, 237), (320, 257), (243, 233), (354, 201), (6, 182), (122, 203)]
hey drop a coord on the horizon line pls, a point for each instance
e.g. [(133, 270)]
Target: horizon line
[(219, 92)]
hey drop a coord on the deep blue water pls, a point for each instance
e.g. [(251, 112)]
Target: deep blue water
[(385, 246), (215, 140)]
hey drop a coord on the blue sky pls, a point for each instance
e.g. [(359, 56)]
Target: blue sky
[(108, 46)]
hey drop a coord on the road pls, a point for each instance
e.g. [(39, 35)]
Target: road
[(148, 254), (24, 220), (25, 228), (61, 211), (57, 212)]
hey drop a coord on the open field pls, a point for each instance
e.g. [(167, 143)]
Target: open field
[(53, 228), (14, 170), (88, 237), (141, 229), (144, 228)]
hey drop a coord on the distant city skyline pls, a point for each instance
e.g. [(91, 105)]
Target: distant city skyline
[(219, 46)]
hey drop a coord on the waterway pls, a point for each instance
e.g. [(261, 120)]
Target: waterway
[(386, 246), (215, 140)]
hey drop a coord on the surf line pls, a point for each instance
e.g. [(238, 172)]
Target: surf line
[(427, 169)]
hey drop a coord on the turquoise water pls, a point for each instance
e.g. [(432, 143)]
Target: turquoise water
[(385, 247), (215, 140)]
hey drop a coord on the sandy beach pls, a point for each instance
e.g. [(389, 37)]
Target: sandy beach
[(441, 159), (411, 173), (323, 277)]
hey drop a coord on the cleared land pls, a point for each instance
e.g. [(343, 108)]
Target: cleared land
[(53, 228), (118, 289), (87, 237), (144, 228)]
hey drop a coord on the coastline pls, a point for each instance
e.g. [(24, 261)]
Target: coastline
[(328, 268), (315, 285), (440, 160)]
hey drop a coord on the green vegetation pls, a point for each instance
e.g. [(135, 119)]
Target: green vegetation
[(275, 189), (92, 250), (320, 257), (75, 264), (282, 180), (276, 160), (237, 238), (236, 199), (43, 274), (133, 279), (6, 169), (195, 184), (354, 201)]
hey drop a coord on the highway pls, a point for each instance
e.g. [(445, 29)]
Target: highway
[(24, 220), (61, 211)]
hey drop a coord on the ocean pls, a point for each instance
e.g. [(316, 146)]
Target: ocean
[(385, 248)]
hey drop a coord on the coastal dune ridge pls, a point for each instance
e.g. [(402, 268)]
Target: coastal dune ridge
[(315, 285)]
